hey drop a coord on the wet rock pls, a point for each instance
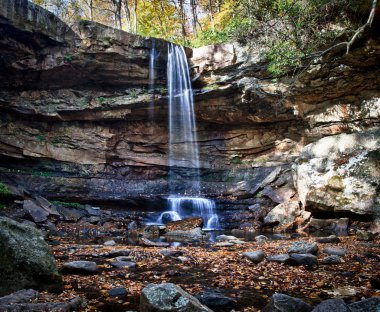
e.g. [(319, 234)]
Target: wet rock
[(333, 259), (333, 239), (305, 259), (332, 305), (329, 226), (26, 260), (370, 304), (261, 239), (335, 251), (80, 267), (302, 247), (184, 225), (192, 235), (118, 292), (278, 258), (169, 297), (216, 301), (109, 243), (284, 303), (255, 256)]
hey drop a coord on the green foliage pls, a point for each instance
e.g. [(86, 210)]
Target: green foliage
[(66, 204), (4, 190), (42, 173), (101, 99), (3, 206), (161, 90), (68, 58), (134, 93), (236, 161), (40, 137)]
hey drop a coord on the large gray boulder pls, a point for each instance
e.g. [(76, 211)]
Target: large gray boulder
[(340, 173), (169, 297), (26, 260), (284, 303)]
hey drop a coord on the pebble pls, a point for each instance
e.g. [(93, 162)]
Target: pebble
[(80, 267), (254, 256)]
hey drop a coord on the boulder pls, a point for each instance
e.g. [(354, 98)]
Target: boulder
[(35, 211), (305, 259), (332, 305), (370, 304), (25, 259), (80, 267), (327, 170), (284, 303), (169, 297), (184, 225), (329, 226), (283, 213), (192, 235), (335, 251), (216, 301), (278, 258), (254, 256), (333, 259), (302, 247)]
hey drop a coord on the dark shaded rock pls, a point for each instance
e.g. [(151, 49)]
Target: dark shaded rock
[(184, 225), (123, 264), (70, 214), (117, 292), (147, 242), (305, 259), (375, 283), (93, 211), (171, 253), (169, 297), (278, 258), (25, 259), (20, 296), (151, 231), (284, 303), (261, 239), (216, 301), (364, 235), (335, 251), (302, 247), (328, 239), (279, 237), (295, 235), (332, 305), (370, 304), (117, 253), (254, 256), (80, 267), (333, 259), (329, 226), (36, 212)]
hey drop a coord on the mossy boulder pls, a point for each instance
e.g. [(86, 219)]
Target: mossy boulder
[(26, 260)]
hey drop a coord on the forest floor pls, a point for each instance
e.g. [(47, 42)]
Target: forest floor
[(207, 267)]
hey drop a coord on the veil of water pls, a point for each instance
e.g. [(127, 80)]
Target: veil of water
[(183, 146), (152, 77)]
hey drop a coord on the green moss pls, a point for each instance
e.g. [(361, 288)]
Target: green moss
[(66, 204), (236, 161), (3, 206), (40, 137), (42, 173), (101, 99), (335, 183), (261, 159), (211, 87), (4, 190)]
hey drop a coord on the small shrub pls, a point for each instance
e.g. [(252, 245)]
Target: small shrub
[(4, 190), (40, 137), (101, 99), (67, 58)]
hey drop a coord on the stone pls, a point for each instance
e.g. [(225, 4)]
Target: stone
[(109, 243), (117, 292), (80, 267), (117, 253), (70, 214), (225, 238), (333, 239), (332, 305), (151, 231), (278, 258), (171, 253), (327, 169), (283, 213), (302, 247), (37, 213), (329, 226), (26, 260), (261, 239), (333, 259), (364, 235), (169, 297), (306, 259), (93, 211), (284, 303), (224, 244), (216, 301), (254, 256), (184, 225), (123, 264), (192, 235), (335, 251), (366, 305)]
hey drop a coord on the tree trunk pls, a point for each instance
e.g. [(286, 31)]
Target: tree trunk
[(211, 15), (135, 16), (194, 13), (91, 7), (128, 15), (183, 21)]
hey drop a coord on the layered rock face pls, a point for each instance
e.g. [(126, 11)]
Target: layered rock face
[(77, 121)]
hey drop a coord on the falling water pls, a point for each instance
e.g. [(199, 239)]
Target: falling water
[(183, 147), (152, 77)]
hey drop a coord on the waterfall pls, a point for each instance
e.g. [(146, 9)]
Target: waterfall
[(183, 146), (152, 77)]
